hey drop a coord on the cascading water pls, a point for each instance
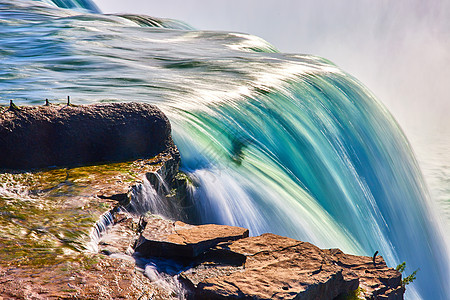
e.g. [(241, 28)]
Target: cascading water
[(81, 5), (163, 273), (278, 143), (100, 227), (146, 199), (330, 166)]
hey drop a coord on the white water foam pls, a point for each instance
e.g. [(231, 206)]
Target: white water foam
[(99, 229)]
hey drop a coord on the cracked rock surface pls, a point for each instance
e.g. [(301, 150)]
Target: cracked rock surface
[(264, 267), (187, 241)]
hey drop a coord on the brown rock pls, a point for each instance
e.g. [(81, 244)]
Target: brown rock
[(263, 267), (185, 241), (282, 268), (99, 277), (276, 268), (376, 281), (120, 236), (60, 135)]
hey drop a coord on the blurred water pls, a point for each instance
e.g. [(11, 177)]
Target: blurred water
[(432, 148), (278, 143)]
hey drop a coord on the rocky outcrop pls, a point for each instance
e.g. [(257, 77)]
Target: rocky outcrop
[(186, 241), (224, 263), (67, 135), (376, 279), (210, 261), (277, 267), (44, 242)]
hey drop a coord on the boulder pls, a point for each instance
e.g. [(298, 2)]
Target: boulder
[(222, 262), (276, 267), (377, 280), (181, 240), (67, 135)]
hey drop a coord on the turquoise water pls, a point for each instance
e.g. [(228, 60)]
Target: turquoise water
[(278, 143)]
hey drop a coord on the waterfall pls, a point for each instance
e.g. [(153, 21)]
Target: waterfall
[(99, 229), (80, 5), (275, 142), (146, 199), (323, 162)]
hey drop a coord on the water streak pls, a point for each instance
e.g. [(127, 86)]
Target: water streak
[(99, 229)]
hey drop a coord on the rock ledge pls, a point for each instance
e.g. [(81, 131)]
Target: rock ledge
[(224, 263), (67, 135)]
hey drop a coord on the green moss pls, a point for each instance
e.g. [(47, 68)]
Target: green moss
[(46, 217), (353, 295)]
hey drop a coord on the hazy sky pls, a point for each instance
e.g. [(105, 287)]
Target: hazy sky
[(399, 49)]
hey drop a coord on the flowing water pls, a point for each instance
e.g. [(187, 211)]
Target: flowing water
[(288, 144)]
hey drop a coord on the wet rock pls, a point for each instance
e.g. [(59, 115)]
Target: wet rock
[(51, 262), (187, 241), (119, 238), (164, 191), (98, 277), (65, 135)]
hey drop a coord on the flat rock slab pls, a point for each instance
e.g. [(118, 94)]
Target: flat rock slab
[(278, 267), (222, 262), (275, 268), (185, 241), (64, 135)]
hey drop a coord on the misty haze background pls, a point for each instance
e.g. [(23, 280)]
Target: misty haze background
[(399, 49)]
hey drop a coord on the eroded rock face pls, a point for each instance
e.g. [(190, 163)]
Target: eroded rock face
[(61, 135), (264, 267), (275, 268), (377, 280)]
